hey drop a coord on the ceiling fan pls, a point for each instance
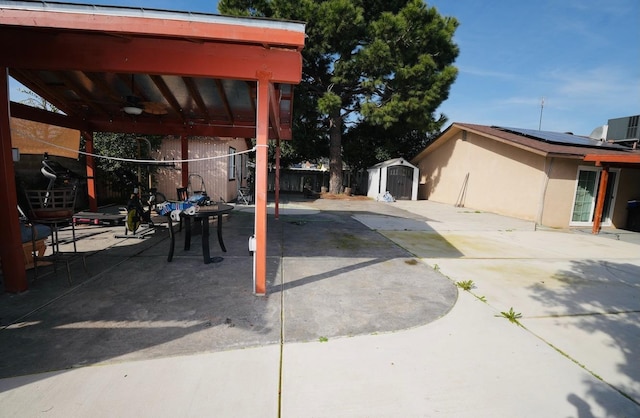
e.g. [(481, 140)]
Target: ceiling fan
[(134, 105)]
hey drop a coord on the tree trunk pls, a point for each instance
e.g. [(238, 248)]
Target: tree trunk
[(335, 154)]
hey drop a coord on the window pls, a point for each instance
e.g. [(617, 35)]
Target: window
[(232, 163)]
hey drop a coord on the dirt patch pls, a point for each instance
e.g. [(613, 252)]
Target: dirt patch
[(332, 196)]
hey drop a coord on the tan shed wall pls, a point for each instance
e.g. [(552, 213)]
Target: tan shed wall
[(213, 171)]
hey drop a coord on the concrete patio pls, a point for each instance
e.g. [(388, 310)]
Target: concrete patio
[(362, 318)]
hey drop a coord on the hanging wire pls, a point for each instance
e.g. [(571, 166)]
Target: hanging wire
[(133, 160)]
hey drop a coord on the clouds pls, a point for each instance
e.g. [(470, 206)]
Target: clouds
[(581, 55)]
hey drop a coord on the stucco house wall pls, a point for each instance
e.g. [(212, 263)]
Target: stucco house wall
[(486, 169), (560, 190), (483, 174)]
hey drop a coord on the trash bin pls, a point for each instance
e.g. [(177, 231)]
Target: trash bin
[(633, 215)]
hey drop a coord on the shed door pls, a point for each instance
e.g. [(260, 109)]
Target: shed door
[(400, 181)]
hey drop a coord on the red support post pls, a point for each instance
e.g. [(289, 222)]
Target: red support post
[(262, 130), (14, 273), (602, 191), (91, 172)]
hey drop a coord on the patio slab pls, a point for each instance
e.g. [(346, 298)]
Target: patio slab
[(328, 276), (362, 318)]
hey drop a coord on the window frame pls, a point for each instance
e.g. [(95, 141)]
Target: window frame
[(231, 165)]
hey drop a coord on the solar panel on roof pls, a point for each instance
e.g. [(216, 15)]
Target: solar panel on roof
[(562, 138)]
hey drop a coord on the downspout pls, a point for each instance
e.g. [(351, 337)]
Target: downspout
[(543, 194), (277, 185)]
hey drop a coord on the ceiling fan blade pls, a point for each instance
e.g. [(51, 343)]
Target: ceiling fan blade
[(155, 108)]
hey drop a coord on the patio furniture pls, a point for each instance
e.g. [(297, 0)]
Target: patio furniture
[(54, 208), (203, 214), (244, 195), (183, 196)]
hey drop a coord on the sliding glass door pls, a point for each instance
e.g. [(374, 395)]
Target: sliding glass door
[(584, 202)]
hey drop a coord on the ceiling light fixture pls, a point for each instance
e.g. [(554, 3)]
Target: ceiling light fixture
[(132, 110)]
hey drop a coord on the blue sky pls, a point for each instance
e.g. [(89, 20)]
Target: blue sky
[(582, 56)]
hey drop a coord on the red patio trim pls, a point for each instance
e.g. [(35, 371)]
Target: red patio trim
[(65, 38)]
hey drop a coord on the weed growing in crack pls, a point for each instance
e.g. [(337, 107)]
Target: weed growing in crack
[(466, 284), (512, 316)]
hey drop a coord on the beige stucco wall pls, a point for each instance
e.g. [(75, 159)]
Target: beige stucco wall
[(562, 188), (213, 171), (501, 178), (559, 193), (511, 181)]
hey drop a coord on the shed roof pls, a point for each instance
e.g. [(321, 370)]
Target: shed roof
[(391, 162)]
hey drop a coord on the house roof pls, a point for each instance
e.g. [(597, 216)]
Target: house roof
[(190, 73), (536, 145)]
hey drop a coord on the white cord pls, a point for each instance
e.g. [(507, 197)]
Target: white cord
[(132, 160)]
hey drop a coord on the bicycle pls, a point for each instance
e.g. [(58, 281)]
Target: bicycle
[(138, 210)]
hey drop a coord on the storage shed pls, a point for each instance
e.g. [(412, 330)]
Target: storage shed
[(397, 176)]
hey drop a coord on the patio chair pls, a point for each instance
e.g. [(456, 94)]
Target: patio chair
[(183, 196), (244, 195), (54, 208)]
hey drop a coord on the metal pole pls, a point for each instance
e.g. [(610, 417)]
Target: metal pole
[(541, 109)]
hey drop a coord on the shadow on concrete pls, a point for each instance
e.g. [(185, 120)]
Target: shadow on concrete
[(328, 274), (603, 298)]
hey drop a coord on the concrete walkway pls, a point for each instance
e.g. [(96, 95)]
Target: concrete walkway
[(362, 319)]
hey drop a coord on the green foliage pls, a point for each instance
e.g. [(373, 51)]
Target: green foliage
[(384, 64), (465, 284), (366, 144), (114, 147), (36, 101), (512, 316), (323, 339)]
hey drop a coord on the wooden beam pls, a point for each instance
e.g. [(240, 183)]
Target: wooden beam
[(21, 111), (168, 95), (206, 28), (274, 109), (602, 191), (195, 94), (613, 158), (225, 100), (13, 271), (91, 171), (102, 53), (154, 125), (262, 162)]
